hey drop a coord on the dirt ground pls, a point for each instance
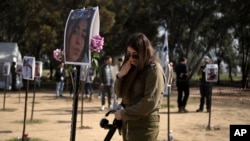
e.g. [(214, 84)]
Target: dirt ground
[(52, 117)]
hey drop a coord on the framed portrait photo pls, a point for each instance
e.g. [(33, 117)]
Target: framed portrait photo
[(77, 35), (19, 68), (6, 68), (38, 69), (211, 72), (28, 69)]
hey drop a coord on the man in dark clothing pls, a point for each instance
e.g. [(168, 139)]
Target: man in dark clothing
[(205, 87), (106, 80), (13, 76), (182, 83), (60, 76)]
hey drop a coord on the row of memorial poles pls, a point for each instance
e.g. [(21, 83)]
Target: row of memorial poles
[(88, 20), (29, 69), (211, 75), (81, 26)]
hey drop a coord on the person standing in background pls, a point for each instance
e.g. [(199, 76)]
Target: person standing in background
[(169, 76), (88, 83), (38, 74), (60, 76), (182, 83), (106, 81), (13, 76), (205, 87), (115, 71)]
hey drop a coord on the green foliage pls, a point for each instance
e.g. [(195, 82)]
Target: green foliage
[(196, 28), (95, 64)]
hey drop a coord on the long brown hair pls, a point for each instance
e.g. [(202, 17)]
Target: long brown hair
[(142, 45)]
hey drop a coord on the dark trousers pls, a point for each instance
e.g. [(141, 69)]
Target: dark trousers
[(88, 88), (106, 89), (13, 82), (183, 94), (205, 92)]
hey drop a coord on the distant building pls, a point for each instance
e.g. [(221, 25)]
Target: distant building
[(9, 52)]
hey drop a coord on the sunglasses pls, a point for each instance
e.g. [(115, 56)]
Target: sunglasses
[(134, 56)]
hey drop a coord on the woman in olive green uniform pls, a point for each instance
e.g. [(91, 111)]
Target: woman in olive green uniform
[(140, 83)]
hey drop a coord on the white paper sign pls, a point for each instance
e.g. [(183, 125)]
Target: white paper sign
[(19, 67), (211, 73), (28, 67), (38, 69), (6, 68)]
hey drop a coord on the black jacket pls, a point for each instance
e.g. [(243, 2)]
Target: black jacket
[(60, 75)]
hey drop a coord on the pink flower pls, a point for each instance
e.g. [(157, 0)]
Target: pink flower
[(58, 55), (97, 43), (25, 135)]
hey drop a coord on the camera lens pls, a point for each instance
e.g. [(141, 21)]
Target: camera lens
[(104, 123)]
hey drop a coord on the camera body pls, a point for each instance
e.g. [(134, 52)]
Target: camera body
[(104, 123), (117, 124)]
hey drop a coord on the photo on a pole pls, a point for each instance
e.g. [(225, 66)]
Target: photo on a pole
[(77, 35), (38, 69), (6, 68), (19, 67), (28, 69)]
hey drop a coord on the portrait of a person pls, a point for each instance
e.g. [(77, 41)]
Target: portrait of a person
[(38, 69), (6, 68), (27, 68), (211, 74), (77, 36), (19, 67)]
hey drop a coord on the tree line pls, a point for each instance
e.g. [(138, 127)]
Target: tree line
[(218, 29)]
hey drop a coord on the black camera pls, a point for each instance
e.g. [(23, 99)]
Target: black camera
[(117, 124)]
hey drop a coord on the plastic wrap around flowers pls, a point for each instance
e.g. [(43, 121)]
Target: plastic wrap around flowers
[(97, 43), (58, 55)]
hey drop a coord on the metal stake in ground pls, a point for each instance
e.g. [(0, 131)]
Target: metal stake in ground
[(169, 90), (19, 84), (25, 108), (75, 106), (4, 93), (33, 101), (210, 108)]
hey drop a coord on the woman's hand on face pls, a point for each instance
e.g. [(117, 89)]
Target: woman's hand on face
[(124, 69)]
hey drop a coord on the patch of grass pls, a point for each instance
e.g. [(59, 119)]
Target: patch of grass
[(165, 105), (35, 102), (34, 121), (8, 110), (192, 100), (26, 139)]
